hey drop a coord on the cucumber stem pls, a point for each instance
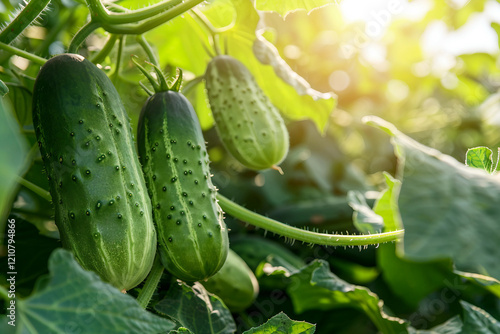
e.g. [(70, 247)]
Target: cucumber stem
[(146, 25), (23, 54), (277, 227), (291, 232), (34, 188), (98, 10), (27, 15), (106, 49), (151, 283), (82, 34), (148, 49)]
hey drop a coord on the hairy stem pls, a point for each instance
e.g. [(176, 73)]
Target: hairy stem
[(148, 49), (280, 228), (151, 283), (291, 232), (82, 34), (99, 11), (140, 28), (21, 53), (22, 20)]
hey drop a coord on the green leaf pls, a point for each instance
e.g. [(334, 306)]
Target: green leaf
[(480, 157), (413, 281), (32, 254), (386, 205), (76, 299), (315, 287), (181, 330), (21, 97), (285, 7), (477, 320), (452, 326), (319, 105), (3, 88), (364, 219), (197, 310), (12, 157), (281, 323), (448, 210), (486, 282)]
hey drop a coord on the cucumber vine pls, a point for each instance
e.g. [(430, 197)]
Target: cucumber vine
[(279, 228)]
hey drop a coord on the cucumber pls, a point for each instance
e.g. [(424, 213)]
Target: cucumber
[(235, 283), (101, 204), (192, 236), (249, 125)]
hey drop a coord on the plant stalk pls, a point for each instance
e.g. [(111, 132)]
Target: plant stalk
[(27, 15), (151, 283), (291, 232), (23, 54)]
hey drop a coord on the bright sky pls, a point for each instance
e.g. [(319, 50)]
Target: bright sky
[(475, 36)]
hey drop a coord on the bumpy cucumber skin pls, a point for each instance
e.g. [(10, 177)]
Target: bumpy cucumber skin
[(250, 126), (101, 204), (192, 235), (235, 283)]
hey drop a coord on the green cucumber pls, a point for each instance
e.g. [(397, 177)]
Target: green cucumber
[(192, 236), (235, 283), (249, 125), (101, 204)]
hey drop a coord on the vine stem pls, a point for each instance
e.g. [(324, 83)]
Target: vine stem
[(27, 15), (280, 228), (82, 34), (36, 189), (148, 49), (98, 10), (23, 54), (140, 28), (108, 46), (151, 283), (287, 231)]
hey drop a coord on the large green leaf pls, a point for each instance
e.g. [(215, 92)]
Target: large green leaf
[(452, 326), (477, 320), (12, 157), (281, 323), (284, 7), (448, 210), (197, 310), (72, 298), (315, 287)]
